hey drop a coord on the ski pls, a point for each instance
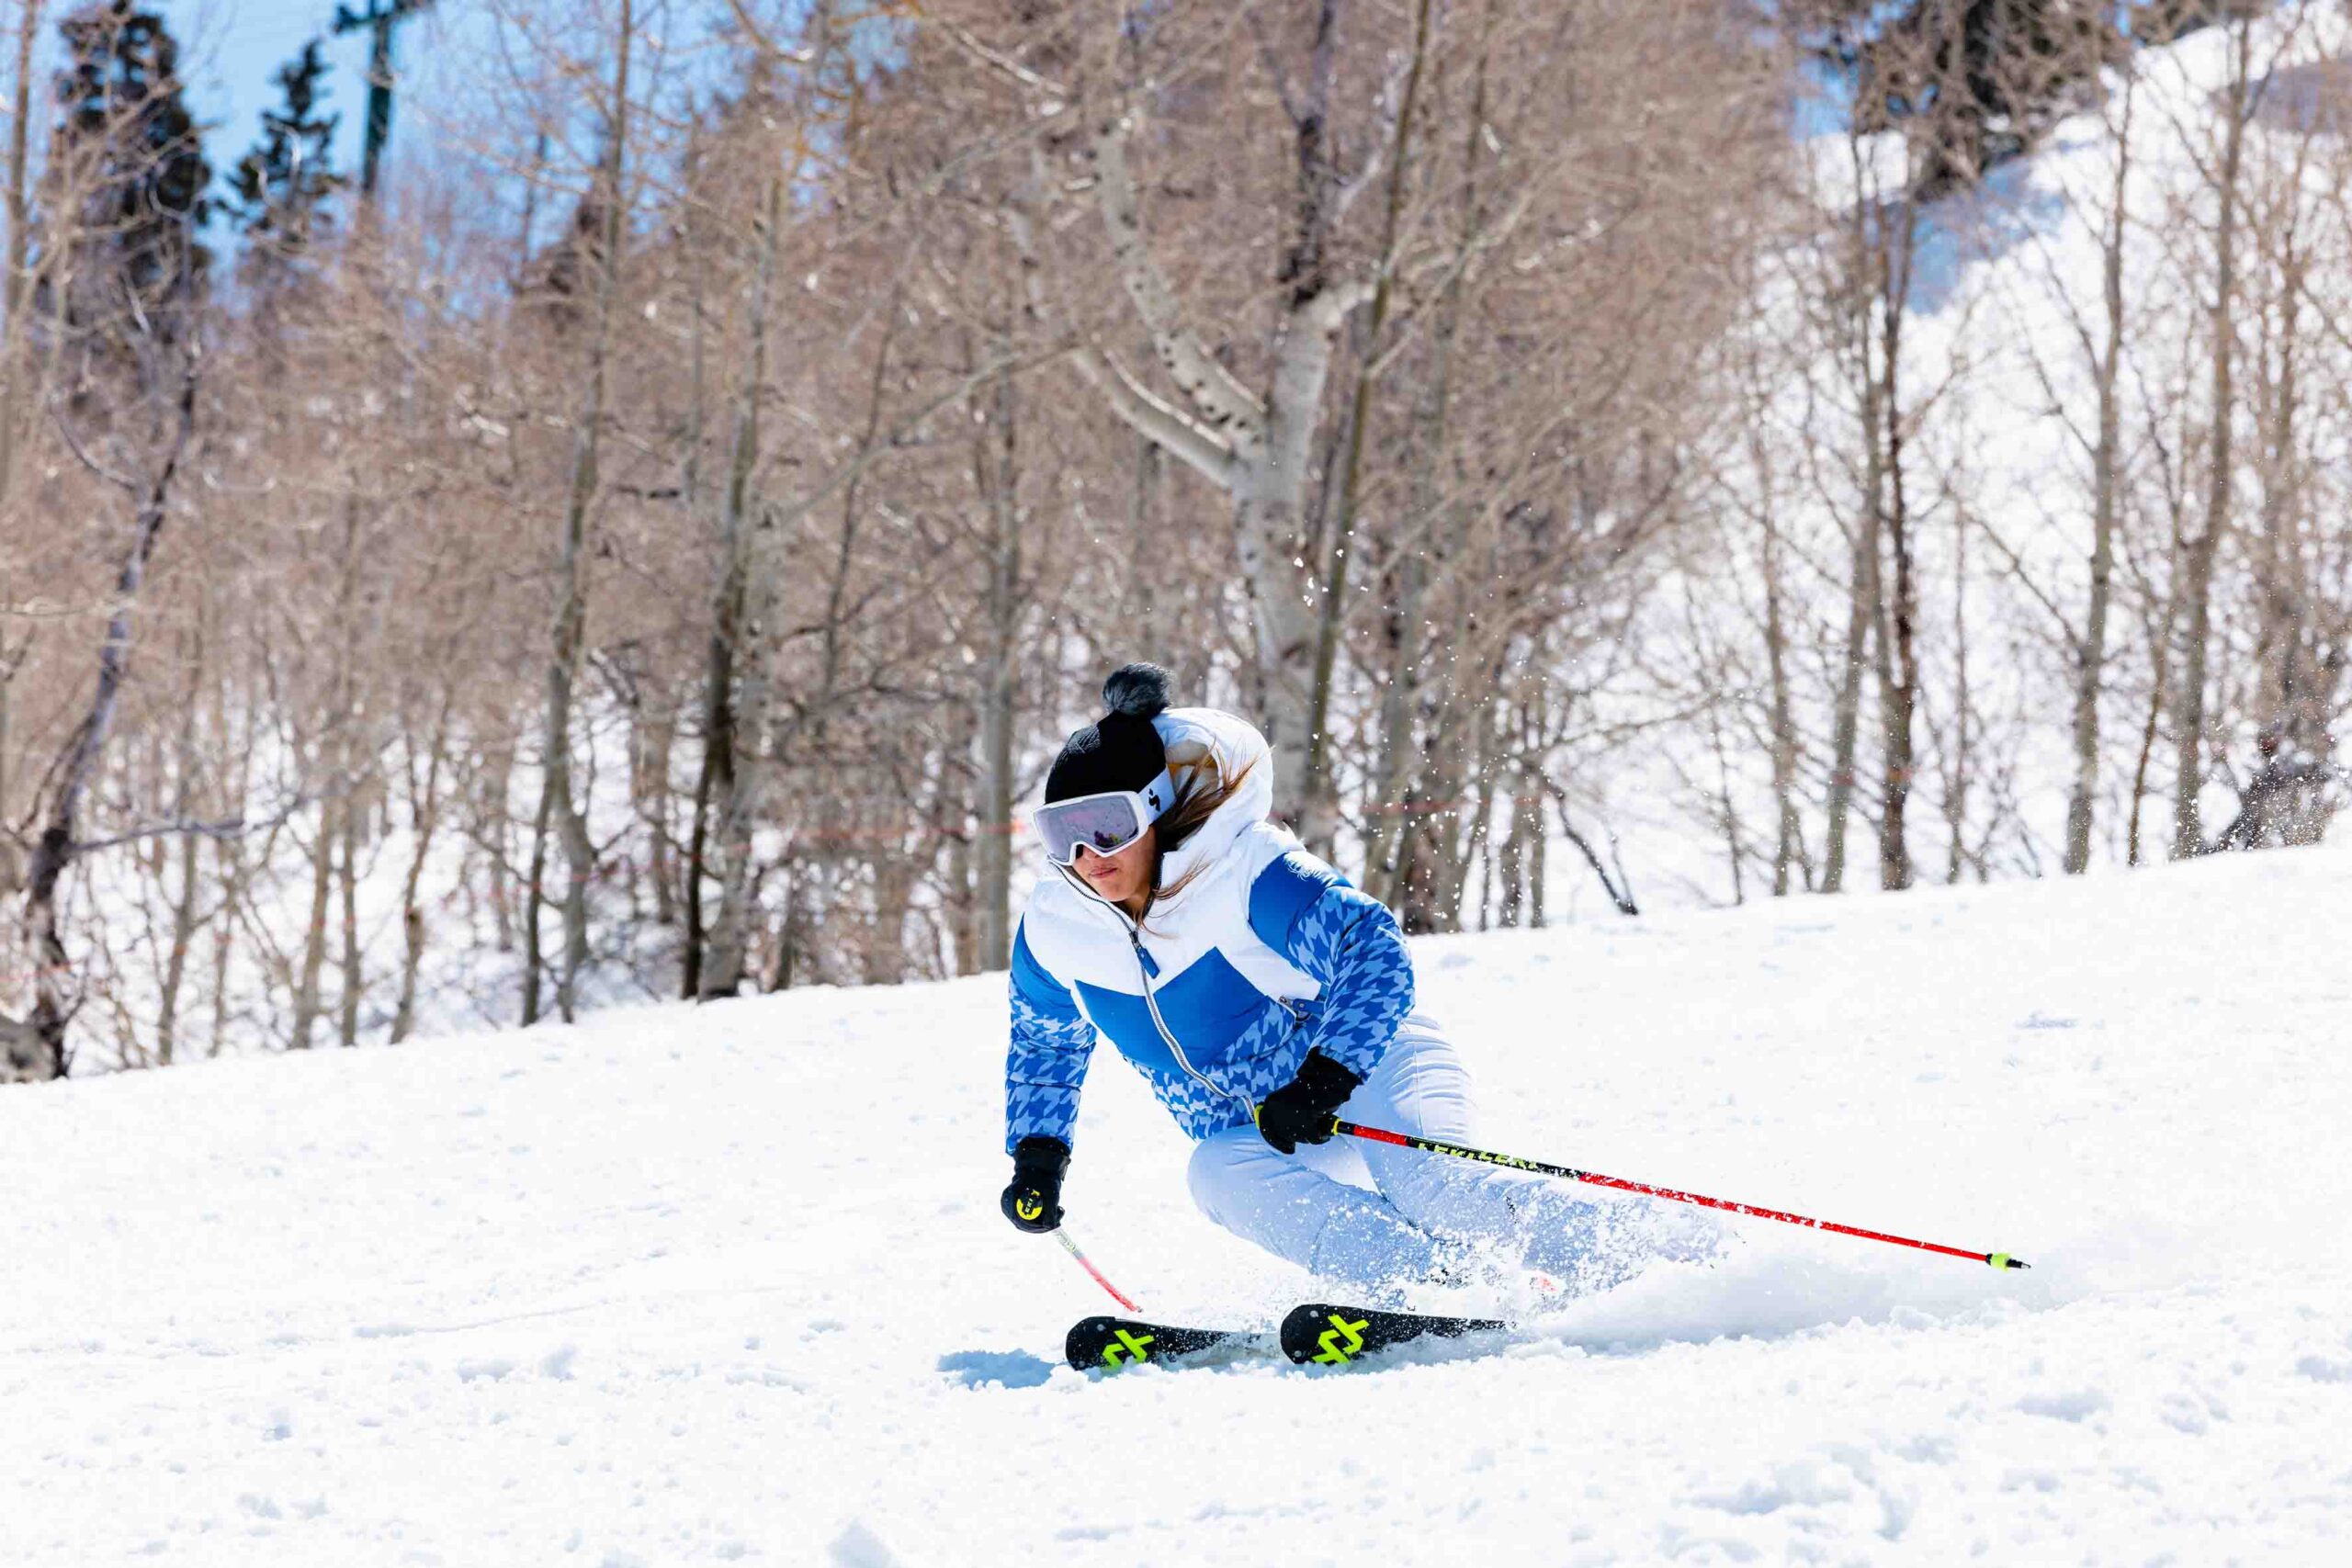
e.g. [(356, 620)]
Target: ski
[(1323, 1334), (1110, 1343), (1319, 1333)]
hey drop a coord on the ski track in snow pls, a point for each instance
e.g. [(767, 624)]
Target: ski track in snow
[(682, 1287)]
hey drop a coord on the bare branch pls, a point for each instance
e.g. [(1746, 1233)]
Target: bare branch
[(1225, 404), (1157, 420), (228, 828), (993, 59), (73, 443)]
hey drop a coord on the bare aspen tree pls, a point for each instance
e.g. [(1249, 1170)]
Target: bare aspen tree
[(43, 1053), (750, 555), (1788, 846), (748, 604), (2106, 461), (1255, 448), (425, 789), (568, 643), (1897, 640), (1314, 789), (128, 311), (996, 473), (184, 900), (307, 994), (1434, 512), (2157, 600), (2195, 599), (15, 290), (1865, 258)]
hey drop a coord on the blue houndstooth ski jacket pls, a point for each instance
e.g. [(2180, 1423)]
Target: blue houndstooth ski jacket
[(1265, 954)]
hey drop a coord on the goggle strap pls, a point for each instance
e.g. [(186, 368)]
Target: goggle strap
[(1158, 796)]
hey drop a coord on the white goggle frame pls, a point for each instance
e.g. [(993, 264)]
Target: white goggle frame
[(1086, 821)]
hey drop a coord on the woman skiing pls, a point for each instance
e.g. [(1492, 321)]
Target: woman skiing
[(1258, 993)]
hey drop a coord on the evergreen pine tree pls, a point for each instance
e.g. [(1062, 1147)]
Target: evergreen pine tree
[(124, 187), (281, 190), (1971, 82)]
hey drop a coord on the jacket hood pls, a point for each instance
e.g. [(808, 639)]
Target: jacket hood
[(1206, 745)]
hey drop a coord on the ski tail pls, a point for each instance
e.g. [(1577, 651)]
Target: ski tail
[(1330, 1334), (1107, 1344)]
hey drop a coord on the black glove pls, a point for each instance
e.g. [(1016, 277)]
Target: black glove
[(1301, 1110), (1034, 1202)]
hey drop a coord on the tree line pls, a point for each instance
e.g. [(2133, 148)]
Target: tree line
[(649, 542)]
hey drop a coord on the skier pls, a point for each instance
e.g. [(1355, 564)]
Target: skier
[(1260, 993)]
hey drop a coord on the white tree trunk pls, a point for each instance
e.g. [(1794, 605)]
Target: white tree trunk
[(1000, 477), (2197, 558), (1258, 450), (570, 640), (2106, 461)]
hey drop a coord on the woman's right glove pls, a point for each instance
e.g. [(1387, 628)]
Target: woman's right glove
[(1033, 1200)]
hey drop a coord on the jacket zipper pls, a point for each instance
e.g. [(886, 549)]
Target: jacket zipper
[(1151, 1000), (1151, 1004)]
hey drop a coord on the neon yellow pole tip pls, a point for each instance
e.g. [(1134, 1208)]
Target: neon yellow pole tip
[(2003, 1260)]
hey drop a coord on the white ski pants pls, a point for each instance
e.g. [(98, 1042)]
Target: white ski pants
[(1423, 1211)]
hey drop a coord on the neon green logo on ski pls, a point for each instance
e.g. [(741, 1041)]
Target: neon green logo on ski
[(1340, 1341), (1130, 1342)]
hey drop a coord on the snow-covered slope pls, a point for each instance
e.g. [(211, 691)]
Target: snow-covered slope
[(681, 1287)]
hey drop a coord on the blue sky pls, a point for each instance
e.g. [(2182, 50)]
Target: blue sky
[(230, 48)]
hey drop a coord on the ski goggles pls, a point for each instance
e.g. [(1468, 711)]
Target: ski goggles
[(1105, 823)]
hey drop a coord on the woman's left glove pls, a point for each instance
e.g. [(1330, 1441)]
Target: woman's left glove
[(1301, 1110), (1033, 1200)]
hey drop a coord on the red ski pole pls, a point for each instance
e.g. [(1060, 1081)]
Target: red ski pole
[(1430, 1145), (1084, 1262)]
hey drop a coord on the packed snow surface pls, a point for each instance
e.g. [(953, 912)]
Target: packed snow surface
[(684, 1286)]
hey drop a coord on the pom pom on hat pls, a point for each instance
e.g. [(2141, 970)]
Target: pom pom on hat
[(1140, 690)]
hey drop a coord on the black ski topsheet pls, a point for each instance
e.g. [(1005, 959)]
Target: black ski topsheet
[(1323, 1334), (1109, 1343), (1319, 1333)]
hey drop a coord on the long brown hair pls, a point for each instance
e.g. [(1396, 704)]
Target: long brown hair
[(1190, 814)]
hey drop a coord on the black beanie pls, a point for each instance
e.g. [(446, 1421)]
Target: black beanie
[(1120, 750)]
